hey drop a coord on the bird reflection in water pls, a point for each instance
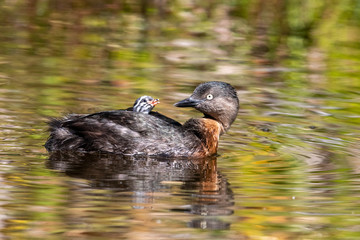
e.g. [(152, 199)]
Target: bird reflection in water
[(206, 190)]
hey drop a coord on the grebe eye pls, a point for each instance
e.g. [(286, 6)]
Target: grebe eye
[(209, 97)]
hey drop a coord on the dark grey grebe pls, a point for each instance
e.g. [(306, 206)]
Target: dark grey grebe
[(136, 133)]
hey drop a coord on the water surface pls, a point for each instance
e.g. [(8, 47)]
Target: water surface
[(287, 169)]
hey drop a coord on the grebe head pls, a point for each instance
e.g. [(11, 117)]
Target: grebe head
[(217, 100), (145, 104)]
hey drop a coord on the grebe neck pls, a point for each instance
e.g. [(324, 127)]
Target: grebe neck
[(207, 130)]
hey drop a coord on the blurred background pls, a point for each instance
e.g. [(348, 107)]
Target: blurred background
[(287, 169)]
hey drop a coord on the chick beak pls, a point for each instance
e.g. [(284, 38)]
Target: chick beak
[(154, 102)]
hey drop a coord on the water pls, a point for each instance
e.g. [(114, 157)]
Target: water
[(287, 169)]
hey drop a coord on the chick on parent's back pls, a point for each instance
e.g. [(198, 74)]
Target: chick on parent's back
[(135, 133)]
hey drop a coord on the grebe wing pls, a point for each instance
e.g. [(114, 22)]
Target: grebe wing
[(165, 118), (122, 132)]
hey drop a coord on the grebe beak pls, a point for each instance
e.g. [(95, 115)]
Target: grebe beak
[(188, 102)]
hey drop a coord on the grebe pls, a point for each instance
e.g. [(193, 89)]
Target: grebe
[(151, 133), (144, 104)]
